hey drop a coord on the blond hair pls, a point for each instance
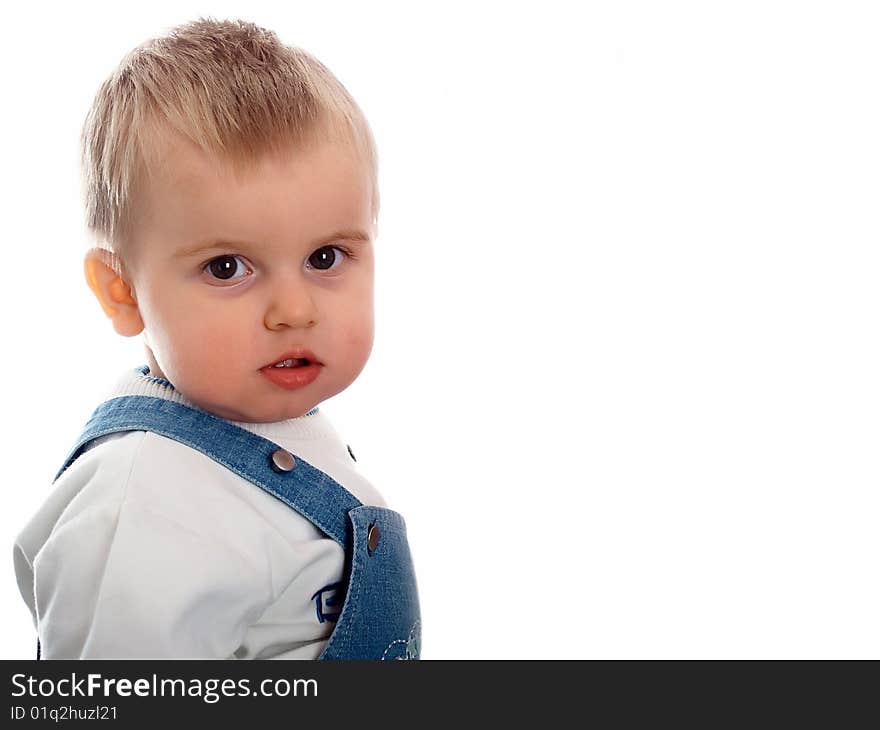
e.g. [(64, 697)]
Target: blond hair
[(230, 87)]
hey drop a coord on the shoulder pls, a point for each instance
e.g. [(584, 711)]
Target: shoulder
[(96, 478), (162, 481), (142, 486)]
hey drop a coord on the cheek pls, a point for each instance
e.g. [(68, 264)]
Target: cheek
[(186, 335), (361, 342), (353, 333), (361, 332)]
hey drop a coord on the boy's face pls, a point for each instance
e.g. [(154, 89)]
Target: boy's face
[(279, 267)]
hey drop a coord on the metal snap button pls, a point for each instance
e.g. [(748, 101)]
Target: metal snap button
[(282, 460), (373, 538)]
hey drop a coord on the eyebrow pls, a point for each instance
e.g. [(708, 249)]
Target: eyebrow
[(353, 235)]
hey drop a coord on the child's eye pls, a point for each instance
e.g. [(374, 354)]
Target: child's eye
[(327, 258), (227, 267)]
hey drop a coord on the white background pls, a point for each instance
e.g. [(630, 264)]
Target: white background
[(625, 380)]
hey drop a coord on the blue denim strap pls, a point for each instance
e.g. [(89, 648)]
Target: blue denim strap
[(308, 490)]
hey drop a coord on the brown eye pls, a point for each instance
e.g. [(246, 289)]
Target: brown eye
[(226, 267), (325, 258)]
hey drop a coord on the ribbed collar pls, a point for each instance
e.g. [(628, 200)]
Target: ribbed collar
[(313, 425)]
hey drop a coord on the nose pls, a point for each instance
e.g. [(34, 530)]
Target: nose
[(290, 305)]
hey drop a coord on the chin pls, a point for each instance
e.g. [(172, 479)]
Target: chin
[(282, 414)]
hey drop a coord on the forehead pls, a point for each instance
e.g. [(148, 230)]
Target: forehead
[(296, 191)]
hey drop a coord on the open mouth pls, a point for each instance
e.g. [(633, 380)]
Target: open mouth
[(295, 357), (294, 369), (295, 362)]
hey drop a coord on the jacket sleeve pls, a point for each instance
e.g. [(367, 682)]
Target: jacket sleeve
[(134, 569)]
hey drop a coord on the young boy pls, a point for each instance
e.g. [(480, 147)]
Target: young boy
[(209, 509)]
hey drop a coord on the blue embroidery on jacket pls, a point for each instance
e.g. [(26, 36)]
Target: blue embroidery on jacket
[(328, 602)]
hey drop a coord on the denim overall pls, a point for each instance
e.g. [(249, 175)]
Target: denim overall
[(380, 616)]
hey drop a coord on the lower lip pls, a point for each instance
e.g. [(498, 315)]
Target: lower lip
[(292, 378)]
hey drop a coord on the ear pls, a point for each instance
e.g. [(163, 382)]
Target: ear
[(113, 293)]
